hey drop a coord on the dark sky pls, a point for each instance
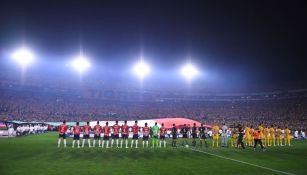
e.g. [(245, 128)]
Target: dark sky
[(259, 41)]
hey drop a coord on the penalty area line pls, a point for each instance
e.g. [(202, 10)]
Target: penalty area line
[(240, 161)]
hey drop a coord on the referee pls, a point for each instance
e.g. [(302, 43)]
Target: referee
[(240, 138), (174, 134)]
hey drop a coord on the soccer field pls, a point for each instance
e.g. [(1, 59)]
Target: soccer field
[(38, 154)]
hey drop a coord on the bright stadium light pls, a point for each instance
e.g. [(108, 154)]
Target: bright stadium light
[(141, 69), (23, 56), (189, 71), (81, 64)]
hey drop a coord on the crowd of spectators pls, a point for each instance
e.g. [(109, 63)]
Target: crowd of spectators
[(48, 107)]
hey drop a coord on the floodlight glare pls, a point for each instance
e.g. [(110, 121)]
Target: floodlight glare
[(80, 64), (23, 56), (141, 69), (189, 71)]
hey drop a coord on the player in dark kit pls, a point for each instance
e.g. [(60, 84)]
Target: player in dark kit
[(240, 138), (202, 135), (194, 134), (174, 134), (184, 131)]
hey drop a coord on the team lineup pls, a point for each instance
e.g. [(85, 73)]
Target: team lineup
[(238, 136)]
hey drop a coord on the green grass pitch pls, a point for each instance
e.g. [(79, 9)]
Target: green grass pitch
[(39, 155)]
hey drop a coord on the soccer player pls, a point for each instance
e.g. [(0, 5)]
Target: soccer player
[(162, 135), (76, 131), (106, 135), (272, 135), (86, 134), (202, 135), (257, 139), (247, 136), (233, 137), (125, 133), (261, 132), (251, 135), (97, 131), (279, 136), (215, 131), (194, 134), (266, 136), (303, 134), (155, 134), (174, 134), (224, 135), (240, 138), (62, 133), (145, 131), (287, 136), (135, 132), (115, 135), (184, 131)]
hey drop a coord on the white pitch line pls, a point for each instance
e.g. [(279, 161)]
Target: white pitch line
[(266, 168)]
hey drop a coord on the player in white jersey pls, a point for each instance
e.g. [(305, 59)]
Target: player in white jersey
[(224, 135)]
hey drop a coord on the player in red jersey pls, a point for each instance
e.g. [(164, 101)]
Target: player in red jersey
[(62, 133), (162, 135), (125, 133), (145, 131), (86, 134), (106, 134), (97, 131), (76, 131), (135, 132), (115, 135)]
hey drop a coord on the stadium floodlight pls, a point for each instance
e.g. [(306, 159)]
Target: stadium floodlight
[(141, 69), (23, 56), (81, 64), (189, 71)]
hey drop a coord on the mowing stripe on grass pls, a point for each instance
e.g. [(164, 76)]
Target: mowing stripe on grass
[(240, 161)]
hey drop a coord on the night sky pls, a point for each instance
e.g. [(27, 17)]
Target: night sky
[(258, 41)]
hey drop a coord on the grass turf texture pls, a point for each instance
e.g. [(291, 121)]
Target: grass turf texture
[(38, 154)]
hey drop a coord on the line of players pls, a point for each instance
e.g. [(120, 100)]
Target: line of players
[(116, 130), (253, 135), (264, 136), (270, 136)]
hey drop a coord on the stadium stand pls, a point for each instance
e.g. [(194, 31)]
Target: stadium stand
[(48, 103)]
